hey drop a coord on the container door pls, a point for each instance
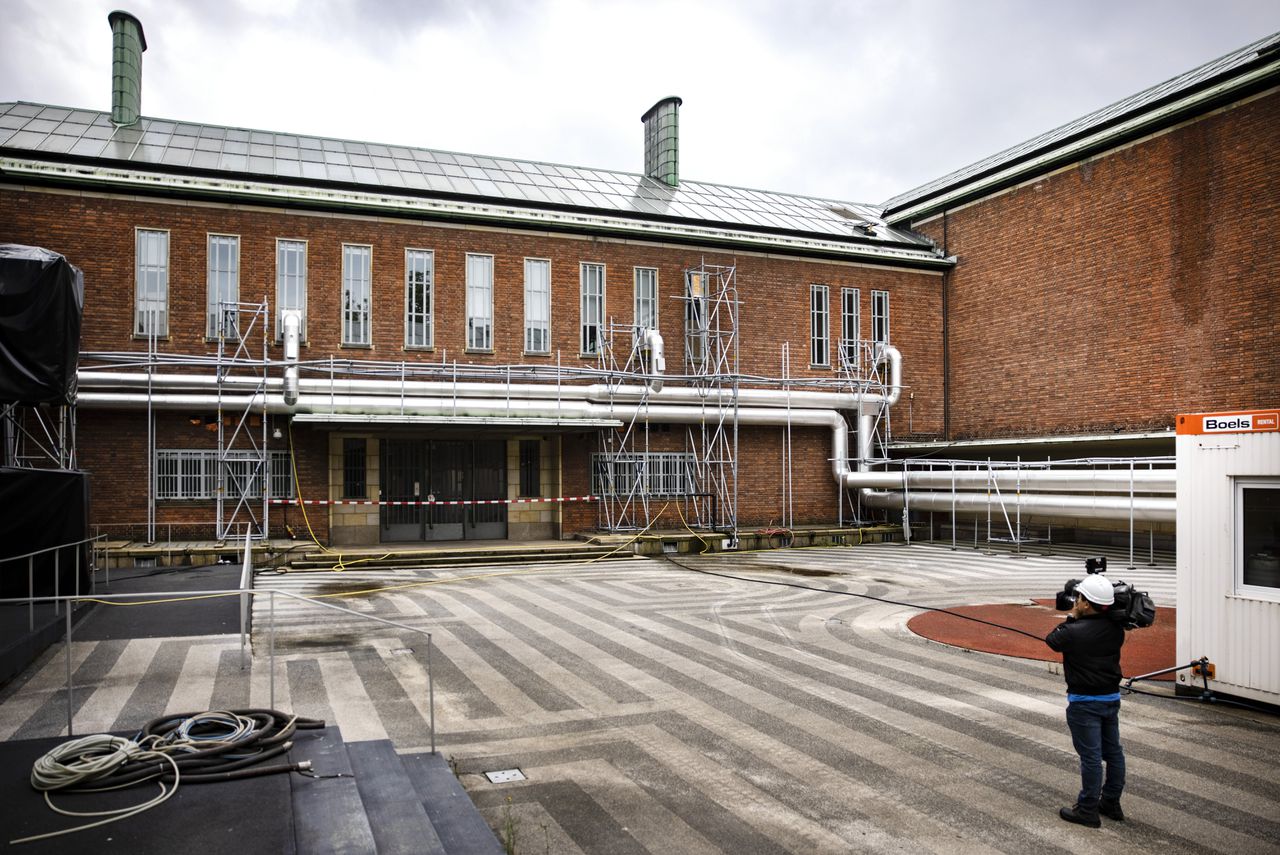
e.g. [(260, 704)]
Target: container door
[(448, 479), (488, 481), (404, 476)]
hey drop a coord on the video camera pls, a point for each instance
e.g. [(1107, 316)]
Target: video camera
[(1134, 609)]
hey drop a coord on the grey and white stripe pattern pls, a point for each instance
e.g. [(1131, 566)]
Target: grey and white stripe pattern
[(656, 709)]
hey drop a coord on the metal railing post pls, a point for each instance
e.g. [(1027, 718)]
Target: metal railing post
[(271, 656), (70, 688), (56, 603), (77, 566), (431, 691), (31, 593), (1131, 514)]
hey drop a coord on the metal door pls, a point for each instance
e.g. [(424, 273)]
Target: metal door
[(488, 481), (448, 482), (403, 468)]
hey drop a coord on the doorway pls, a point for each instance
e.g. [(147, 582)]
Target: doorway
[(416, 470)]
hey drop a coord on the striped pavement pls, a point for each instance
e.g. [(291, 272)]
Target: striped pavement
[(656, 709)]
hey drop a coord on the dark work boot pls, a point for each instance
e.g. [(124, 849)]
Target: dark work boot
[(1111, 810), (1080, 816)]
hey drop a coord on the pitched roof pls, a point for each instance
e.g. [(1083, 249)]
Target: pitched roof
[(158, 145), (1105, 127)]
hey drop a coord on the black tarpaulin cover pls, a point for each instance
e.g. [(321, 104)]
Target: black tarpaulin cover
[(40, 508), (41, 301)]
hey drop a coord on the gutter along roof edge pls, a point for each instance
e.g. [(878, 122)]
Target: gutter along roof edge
[(488, 211)]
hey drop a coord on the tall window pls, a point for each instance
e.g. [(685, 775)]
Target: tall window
[(537, 305), (850, 326), (223, 286), (819, 325), (291, 282), (357, 262), (151, 282), (530, 467), (695, 316), (419, 293), (479, 302), (880, 317), (592, 307), (354, 468), (646, 307)]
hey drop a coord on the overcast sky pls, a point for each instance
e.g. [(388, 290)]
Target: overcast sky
[(856, 101)]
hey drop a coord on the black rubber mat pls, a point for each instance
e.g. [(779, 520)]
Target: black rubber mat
[(179, 618)]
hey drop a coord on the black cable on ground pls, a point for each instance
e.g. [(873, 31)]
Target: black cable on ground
[(188, 748), (1204, 699), (854, 594)]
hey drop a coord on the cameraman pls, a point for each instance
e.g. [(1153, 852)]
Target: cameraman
[(1089, 641)]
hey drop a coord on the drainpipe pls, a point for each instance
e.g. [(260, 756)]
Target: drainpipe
[(652, 341), (292, 323)]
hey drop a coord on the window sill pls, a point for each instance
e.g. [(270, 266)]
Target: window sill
[(482, 351), (816, 367), (544, 354), (595, 355), (345, 346), (139, 337), (420, 348)]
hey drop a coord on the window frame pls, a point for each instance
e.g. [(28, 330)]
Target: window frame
[(819, 315), (194, 474), (851, 346), (281, 308), (1238, 487), (212, 291), (638, 301), (877, 318), (139, 330), (530, 480), (584, 324), (529, 295), (354, 320), (429, 291), (351, 447), (697, 321), (481, 290)]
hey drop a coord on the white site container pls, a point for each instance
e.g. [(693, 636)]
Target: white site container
[(1229, 550)]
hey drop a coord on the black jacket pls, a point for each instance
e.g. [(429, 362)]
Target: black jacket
[(1090, 648)]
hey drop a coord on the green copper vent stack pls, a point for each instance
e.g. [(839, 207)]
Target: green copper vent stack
[(662, 141), (127, 45)]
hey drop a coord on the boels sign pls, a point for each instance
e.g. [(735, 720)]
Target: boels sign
[(1251, 422)]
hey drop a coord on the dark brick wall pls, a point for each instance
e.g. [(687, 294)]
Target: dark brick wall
[(1124, 290), (96, 232)]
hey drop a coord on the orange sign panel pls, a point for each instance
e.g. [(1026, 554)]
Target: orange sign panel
[(1257, 421)]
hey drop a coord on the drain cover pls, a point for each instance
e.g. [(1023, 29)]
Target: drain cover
[(504, 776), (401, 651)]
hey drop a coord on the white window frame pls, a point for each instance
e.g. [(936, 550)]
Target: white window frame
[(223, 285), (645, 306), (357, 289), (479, 302), (880, 317), (1239, 485), (592, 307), (851, 327), (191, 474), (537, 305), (419, 261), (819, 326), (286, 278), (697, 322), (150, 283)]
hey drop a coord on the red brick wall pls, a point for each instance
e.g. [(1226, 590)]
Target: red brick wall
[(1122, 291), (97, 234)]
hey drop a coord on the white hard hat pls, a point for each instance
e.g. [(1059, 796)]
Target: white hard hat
[(1097, 590)]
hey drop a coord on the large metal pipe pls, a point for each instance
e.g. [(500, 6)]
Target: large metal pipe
[(757, 407)]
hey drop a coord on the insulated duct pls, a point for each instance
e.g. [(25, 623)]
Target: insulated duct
[(969, 490)]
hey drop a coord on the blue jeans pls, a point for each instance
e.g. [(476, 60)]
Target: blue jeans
[(1095, 732)]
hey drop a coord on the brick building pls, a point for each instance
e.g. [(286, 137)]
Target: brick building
[(493, 332)]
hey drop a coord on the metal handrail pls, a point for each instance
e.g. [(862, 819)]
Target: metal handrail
[(30, 599), (228, 592), (51, 548)]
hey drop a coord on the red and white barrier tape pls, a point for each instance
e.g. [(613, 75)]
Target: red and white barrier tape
[(415, 502)]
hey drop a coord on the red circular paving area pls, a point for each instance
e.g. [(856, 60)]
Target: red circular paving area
[(1144, 651)]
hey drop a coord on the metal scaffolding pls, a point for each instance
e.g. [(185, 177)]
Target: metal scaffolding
[(244, 474)]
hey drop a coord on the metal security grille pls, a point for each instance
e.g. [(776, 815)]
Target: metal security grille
[(354, 468), (655, 473), (183, 474)]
